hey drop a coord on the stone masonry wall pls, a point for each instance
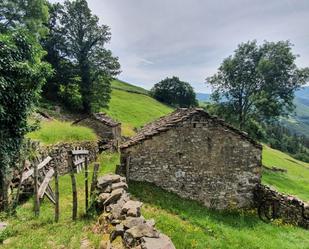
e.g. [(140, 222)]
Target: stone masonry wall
[(105, 132), (198, 159), (59, 153), (288, 208)]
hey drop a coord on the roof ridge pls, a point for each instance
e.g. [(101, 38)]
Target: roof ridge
[(168, 121)]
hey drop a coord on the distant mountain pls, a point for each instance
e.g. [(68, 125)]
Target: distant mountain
[(203, 97), (297, 122), (303, 93)]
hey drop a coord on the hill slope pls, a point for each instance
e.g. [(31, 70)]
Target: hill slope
[(133, 109)]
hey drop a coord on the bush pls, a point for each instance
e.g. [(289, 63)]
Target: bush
[(302, 157), (70, 95)]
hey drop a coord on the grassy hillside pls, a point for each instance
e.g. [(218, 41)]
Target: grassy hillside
[(132, 109), (295, 181), (299, 123)]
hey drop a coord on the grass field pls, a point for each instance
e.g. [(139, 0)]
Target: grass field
[(27, 232), (55, 131), (134, 110), (295, 181)]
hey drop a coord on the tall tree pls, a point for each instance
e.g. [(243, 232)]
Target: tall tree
[(29, 14), (257, 82), (84, 41), (174, 92), (21, 76)]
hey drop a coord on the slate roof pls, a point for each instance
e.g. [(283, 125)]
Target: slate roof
[(171, 120), (102, 117)]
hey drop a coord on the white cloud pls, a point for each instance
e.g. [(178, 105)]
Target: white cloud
[(190, 38)]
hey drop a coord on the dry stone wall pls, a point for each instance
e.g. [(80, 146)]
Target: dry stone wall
[(197, 159), (59, 153), (288, 208), (121, 222)]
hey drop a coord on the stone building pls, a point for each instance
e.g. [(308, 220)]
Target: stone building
[(108, 130), (196, 156)]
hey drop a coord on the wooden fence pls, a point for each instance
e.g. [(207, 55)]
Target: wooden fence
[(42, 174)]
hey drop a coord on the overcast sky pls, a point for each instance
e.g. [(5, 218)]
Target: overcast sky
[(155, 39)]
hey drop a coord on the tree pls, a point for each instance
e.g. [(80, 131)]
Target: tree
[(174, 92), (29, 14), (83, 44), (21, 76), (63, 85), (257, 83)]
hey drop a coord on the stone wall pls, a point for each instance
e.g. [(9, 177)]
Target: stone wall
[(121, 222), (59, 153), (288, 208), (198, 159), (105, 132)]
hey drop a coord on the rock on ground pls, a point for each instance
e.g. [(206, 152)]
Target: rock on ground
[(163, 242)]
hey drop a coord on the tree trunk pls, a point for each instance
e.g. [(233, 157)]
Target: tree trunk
[(5, 180), (85, 83)]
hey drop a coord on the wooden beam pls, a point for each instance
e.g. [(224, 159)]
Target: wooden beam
[(36, 195), (80, 152), (45, 182), (30, 172), (94, 178), (79, 161), (74, 189), (56, 192), (128, 168), (86, 185)]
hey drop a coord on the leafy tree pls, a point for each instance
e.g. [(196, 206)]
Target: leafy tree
[(64, 84), (257, 82), (29, 14), (21, 76), (174, 92), (82, 43)]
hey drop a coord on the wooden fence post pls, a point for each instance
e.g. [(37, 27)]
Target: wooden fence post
[(19, 187), (56, 191), (74, 190), (86, 183), (128, 169), (94, 178), (36, 194)]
